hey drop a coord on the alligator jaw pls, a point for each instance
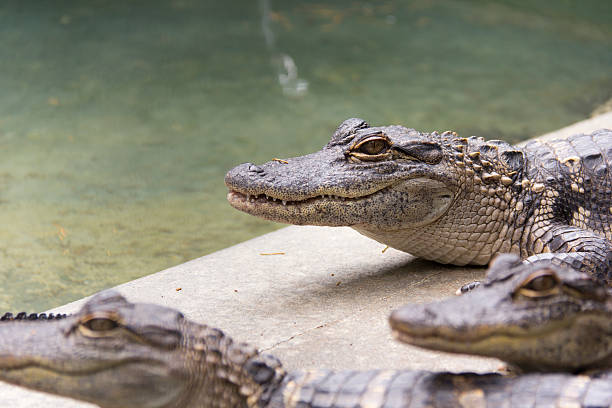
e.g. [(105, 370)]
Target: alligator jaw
[(448, 338), (512, 344), (237, 198), (114, 385), (470, 341), (307, 211)]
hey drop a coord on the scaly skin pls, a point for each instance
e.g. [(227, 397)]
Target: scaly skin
[(536, 317), (123, 355), (446, 198), (119, 354)]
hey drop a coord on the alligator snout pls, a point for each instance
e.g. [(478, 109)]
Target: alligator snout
[(457, 315), (246, 176), (244, 171), (413, 318)]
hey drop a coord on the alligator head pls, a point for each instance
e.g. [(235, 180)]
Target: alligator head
[(120, 354), (392, 184), (359, 177), (536, 317)]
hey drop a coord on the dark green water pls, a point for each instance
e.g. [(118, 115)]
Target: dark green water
[(118, 120)]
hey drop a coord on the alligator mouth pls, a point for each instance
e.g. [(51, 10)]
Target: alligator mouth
[(451, 339), (250, 202), (323, 209), (15, 364), (238, 198), (476, 339)]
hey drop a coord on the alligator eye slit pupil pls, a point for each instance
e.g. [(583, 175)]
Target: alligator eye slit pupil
[(373, 147)]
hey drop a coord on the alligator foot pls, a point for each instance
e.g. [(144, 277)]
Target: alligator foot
[(468, 287), (499, 268)]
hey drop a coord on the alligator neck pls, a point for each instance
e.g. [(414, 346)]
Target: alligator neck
[(224, 370)]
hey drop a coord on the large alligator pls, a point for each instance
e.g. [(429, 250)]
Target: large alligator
[(446, 198), (120, 354)]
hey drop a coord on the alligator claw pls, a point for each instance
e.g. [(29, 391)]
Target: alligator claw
[(468, 287)]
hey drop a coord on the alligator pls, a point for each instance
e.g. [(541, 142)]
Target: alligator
[(535, 317), (446, 198), (118, 354)]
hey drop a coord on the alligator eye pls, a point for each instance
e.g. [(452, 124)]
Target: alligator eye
[(541, 283), (373, 146), (96, 326), (100, 324)]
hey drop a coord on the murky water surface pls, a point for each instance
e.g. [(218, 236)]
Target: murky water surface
[(118, 120)]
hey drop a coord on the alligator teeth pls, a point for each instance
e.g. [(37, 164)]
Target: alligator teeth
[(284, 202), (248, 197)]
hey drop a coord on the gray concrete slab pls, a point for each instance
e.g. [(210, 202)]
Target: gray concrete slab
[(322, 302)]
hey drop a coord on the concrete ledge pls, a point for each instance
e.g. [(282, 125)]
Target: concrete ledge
[(323, 303)]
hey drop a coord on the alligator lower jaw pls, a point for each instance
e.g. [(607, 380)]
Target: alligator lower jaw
[(434, 339), (476, 341), (329, 210), (15, 364)]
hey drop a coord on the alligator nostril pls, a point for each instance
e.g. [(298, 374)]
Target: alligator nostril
[(255, 169)]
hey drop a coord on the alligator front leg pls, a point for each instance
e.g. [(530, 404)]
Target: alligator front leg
[(564, 245), (574, 247)]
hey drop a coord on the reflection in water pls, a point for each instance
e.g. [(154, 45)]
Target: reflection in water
[(287, 71)]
